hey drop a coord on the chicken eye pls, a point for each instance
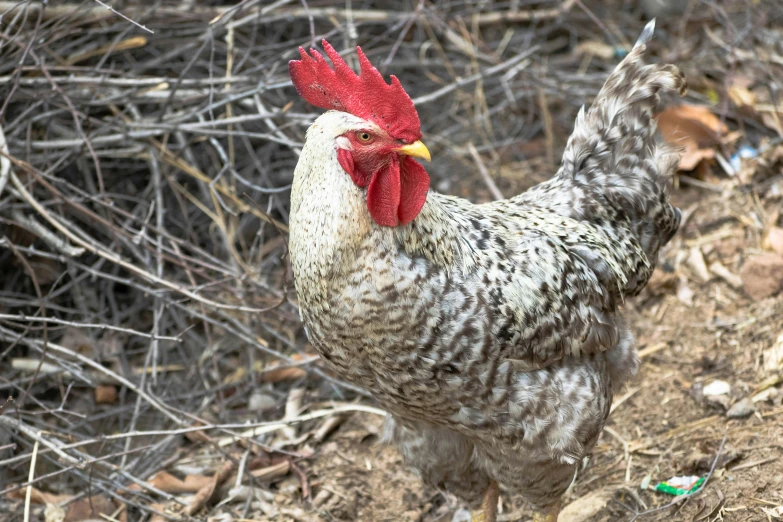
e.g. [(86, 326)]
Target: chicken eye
[(363, 136)]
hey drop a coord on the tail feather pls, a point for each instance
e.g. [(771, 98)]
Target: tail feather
[(647, 34), (616, 169), (615, 153)]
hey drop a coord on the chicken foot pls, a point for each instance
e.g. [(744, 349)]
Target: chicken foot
[(489, 506)]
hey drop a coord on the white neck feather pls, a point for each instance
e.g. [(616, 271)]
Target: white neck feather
[(329, 219), (331, 225)]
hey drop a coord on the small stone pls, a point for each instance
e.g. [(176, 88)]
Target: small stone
[(741, 409), (762, 275), (717, 388), (260, 401)]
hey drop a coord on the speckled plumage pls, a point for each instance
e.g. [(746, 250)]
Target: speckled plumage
[(491, 333)]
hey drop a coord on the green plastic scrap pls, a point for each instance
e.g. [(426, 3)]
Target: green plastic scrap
[(680, 485)]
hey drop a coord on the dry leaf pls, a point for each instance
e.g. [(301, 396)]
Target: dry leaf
[(37, 496), (283, 374), (75, 339), (167, 482), (271, 472), (238, 375), (82, 509), (695, 129), (273, 373), (327, 427), (93, 508), (155, 517), (105, 394), (46, 270), (775, 512), (661, 282), (204, 495)]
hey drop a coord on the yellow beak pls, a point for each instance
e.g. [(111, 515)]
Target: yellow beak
[(416, 149)]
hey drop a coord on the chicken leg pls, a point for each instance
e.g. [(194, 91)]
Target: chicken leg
[(489, 506), (549, 515)]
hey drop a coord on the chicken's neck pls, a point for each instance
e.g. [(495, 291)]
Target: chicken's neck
[(332, 231)]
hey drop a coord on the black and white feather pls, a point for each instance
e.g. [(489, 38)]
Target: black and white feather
[(493, 333)]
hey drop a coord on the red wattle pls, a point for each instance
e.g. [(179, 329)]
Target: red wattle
[(396, 193), (383, 194), (414, 185)]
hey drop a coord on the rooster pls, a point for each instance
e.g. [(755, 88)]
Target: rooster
[(490, 333)]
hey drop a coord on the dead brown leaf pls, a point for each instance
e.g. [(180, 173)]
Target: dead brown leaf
[(105, 394), (37, 496), (204, 494), (46, 270), (273, 471), (54, 513), (694, 128), (93, 508), (77, 511), (156, 517), (727, 275), (167, 482), (273, 374), (283, 374)]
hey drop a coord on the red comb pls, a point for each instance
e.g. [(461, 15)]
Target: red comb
[(366, 95)]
